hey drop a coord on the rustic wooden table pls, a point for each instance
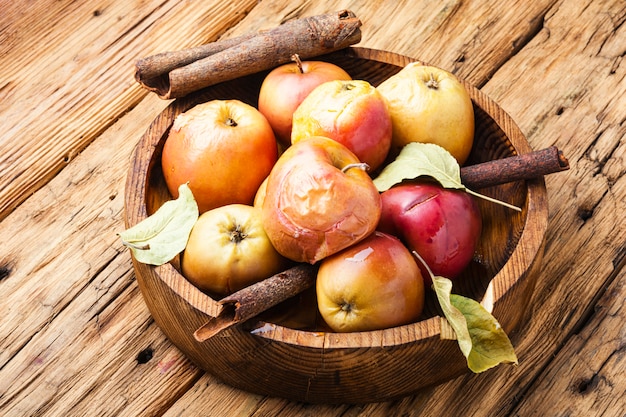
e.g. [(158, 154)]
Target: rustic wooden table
[(76, 337)]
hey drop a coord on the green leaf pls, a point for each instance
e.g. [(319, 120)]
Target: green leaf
[(490, 343), (479, 335), (427, 159), (421, 159), (160, 237)]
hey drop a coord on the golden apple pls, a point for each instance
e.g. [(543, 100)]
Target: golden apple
[(429, 104), (228, 250)]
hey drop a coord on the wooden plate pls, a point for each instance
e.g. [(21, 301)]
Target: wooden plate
[(269, 358)]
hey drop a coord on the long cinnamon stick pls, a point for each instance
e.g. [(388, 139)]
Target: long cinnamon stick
[(149, 70), (257, 298), (308, 37), (520, 167)]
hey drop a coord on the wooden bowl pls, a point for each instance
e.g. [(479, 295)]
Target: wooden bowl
[(269, 358)]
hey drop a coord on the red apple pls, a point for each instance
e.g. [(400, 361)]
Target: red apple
[(429, 104), (353, 113), (318, 201), (228, 250), (284, 88), (223, 149), (442, 225), (374, 284)]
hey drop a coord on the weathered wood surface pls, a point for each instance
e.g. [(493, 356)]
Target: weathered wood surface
[(75, 336)]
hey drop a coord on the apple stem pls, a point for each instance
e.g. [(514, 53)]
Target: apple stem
[(296, 58), (231, 122), (423, 262), (432, 82), (360, 165)]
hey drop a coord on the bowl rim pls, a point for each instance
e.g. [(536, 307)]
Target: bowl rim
[(525, 251)]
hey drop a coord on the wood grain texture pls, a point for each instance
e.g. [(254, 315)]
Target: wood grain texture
[(72, 76), (556, 66)]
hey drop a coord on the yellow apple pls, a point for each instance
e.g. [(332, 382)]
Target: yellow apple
[(228, 250), (429, 104)]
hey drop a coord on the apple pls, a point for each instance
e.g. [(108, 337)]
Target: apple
[(259, 197), (318, 201), (284, 88), (374, 284), (429, 104), (442, 225), (353, 113), (228, 250), (224, 149)]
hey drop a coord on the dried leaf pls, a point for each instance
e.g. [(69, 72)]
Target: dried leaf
[(160, 237), (443, 290), (421, 159), (490, 343), (481, 339)]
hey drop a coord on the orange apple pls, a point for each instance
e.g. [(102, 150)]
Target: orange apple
[(228, 250), (429, 104), (353, 113), (319, 200), (224, 149), (284, 88), (374, 284)]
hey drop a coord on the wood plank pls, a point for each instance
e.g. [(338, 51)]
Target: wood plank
[(594, 361), (71, 67), (72, 344)]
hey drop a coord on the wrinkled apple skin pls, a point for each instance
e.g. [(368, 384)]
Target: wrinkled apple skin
[(224, 149), (374, 284), (284, 88), (442, 225), (353, 113), (312, 208), (428, 104), (228, 250)]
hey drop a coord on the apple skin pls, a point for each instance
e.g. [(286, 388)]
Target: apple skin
[(312, 208), (429, 104), (442, 225), (259, 197), (284, 88), (224, 149), (228, 250), (374, 284), (353, 113)]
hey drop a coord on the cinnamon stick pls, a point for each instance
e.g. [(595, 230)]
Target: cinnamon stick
[(520, 167), (173, 75), (257, 298), (150, 70)]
